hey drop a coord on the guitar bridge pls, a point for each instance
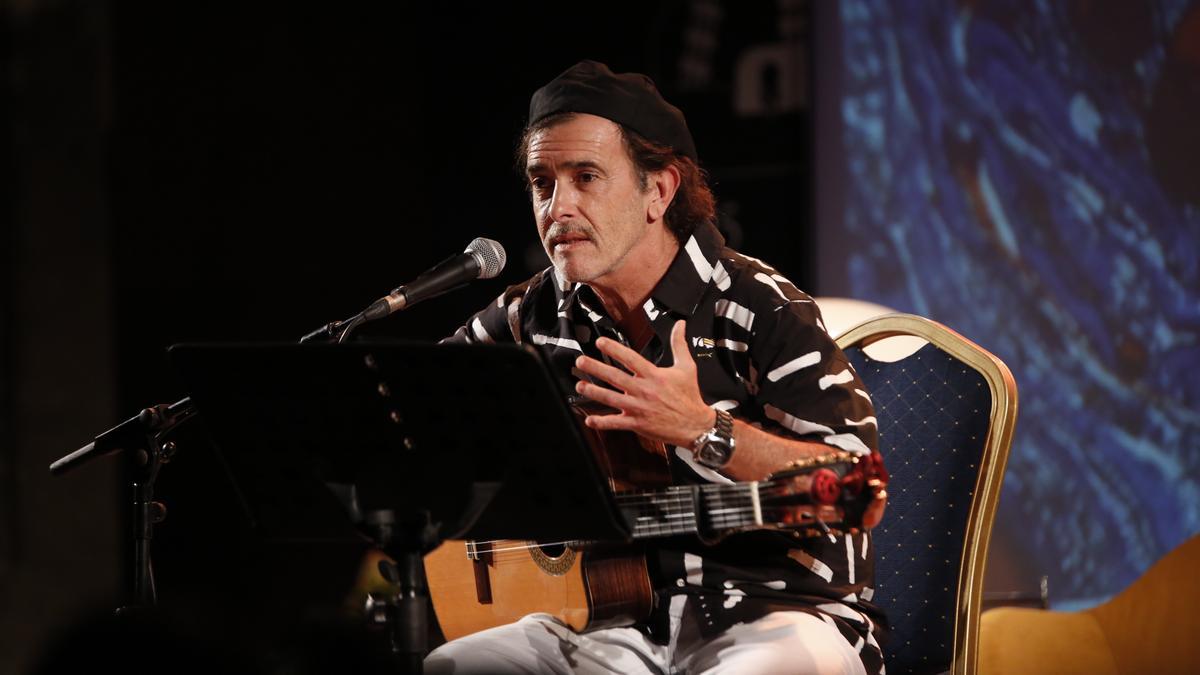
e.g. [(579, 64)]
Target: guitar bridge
[(481, 558)]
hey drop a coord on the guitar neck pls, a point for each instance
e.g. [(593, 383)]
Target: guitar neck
[(691, 509)]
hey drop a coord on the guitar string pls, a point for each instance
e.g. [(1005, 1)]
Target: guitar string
[(651, 500), (519, 550), (719, 513), (519, 553), (722, 517), (684, 497)]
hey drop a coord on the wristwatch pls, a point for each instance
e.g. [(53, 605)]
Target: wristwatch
[(714, 448)]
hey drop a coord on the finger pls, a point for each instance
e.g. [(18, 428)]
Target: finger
[(624, 355), (679, 348), (608, 397), (609, 422), (614, 376)]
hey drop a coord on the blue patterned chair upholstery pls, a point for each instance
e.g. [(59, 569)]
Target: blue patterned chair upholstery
[(946, 415)]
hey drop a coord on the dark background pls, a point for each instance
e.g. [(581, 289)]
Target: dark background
[(273, 172), (248, 172)]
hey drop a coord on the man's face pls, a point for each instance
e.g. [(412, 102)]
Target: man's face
[(589, 209)]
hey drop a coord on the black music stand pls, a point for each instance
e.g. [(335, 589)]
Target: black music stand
[(422, 442)]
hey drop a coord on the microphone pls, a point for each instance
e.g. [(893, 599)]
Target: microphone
[(483, 259)]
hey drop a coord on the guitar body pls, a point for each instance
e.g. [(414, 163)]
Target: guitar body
[(479, 585), (584, 589)]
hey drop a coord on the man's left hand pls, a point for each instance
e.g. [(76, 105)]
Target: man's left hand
[(662, 404)]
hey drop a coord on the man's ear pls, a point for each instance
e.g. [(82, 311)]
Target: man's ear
[(661, 188)]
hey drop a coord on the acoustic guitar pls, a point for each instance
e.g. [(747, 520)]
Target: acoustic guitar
[(477, 585)]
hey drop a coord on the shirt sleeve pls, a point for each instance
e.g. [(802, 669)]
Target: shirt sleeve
[(806, 384), (498, 322)]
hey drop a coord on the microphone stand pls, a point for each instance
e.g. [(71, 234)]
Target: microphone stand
[(157, 423), (403, 614), (145, 433), (337, 332)]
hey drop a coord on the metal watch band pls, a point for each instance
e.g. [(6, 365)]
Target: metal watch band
[(724, 426)]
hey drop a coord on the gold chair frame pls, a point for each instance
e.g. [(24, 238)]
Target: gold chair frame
[(1003, 419)]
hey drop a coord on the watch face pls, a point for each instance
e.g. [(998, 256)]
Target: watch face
[(714, 453)]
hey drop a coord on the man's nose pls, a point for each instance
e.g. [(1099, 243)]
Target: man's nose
[(563, 203)]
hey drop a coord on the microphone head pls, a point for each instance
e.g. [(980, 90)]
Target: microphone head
[(490, 256)]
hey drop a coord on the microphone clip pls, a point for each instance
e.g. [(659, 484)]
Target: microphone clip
[(330, 332)]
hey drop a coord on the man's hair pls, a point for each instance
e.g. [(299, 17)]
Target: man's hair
[(693, 203)]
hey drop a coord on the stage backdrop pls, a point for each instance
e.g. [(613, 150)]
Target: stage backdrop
[(1026, 173)]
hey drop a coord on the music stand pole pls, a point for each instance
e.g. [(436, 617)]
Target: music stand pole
[(405, 614)]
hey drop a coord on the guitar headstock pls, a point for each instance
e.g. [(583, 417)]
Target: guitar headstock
[(835, 490)]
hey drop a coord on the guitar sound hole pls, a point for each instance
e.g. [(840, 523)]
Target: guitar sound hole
[(553, 550), (553, 559)]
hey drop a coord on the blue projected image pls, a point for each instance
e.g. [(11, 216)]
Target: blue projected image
[(1026, 173)]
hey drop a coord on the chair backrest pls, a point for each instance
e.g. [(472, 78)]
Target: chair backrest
[(946, 415)]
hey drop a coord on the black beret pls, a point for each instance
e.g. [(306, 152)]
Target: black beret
[(626, 98)]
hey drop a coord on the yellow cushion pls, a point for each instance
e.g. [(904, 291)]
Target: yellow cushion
[(1014, 641), (1147, 628), (1151, 626)]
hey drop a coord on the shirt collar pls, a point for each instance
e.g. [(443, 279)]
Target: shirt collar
[(681, 288)]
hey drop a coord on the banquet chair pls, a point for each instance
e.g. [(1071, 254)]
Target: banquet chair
[(945, 414)]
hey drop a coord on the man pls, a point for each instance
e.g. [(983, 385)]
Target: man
[(707, 350)]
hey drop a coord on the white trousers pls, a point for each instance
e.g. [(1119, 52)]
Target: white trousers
[(781, 643)]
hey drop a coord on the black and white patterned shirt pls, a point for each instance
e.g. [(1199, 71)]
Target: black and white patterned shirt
[(763, 354)]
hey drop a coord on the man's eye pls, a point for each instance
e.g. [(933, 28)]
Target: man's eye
[(587, 177), (539, 185)]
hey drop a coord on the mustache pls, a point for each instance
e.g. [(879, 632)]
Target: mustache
[(558, 230)]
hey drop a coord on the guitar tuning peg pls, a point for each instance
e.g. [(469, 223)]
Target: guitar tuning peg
[(873, 513)]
